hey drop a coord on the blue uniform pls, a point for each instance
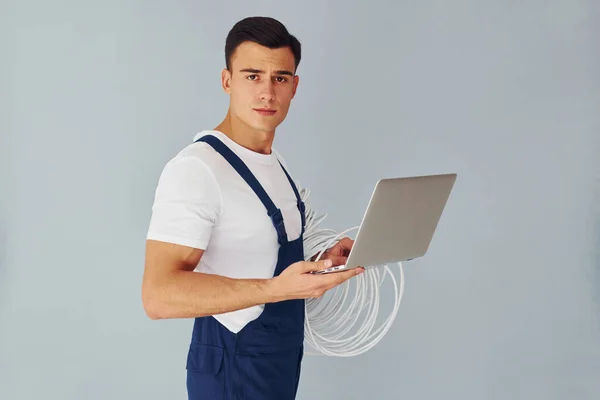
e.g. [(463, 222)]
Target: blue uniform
[(262, 361)]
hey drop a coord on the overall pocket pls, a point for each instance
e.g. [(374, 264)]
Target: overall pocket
[(271, 375), (205, 372)]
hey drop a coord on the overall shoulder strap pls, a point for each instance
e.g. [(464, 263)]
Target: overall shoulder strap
[(241, 168)]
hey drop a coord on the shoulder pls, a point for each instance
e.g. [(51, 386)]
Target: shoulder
[(278, 155), (196, 161), (281, 159), (187, 165), (189, 176)]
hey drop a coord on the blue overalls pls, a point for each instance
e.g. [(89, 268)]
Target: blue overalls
[(262, 361)]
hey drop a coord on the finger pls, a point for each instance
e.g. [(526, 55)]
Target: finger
[(346, 245), (337, 260), (336, 250), (346, 242), (337, 278), (316, 266)]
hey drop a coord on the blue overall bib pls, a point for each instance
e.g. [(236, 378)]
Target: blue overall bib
[(262, 361)]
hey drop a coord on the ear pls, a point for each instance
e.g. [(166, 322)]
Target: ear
[(295, 85), (226, 80)]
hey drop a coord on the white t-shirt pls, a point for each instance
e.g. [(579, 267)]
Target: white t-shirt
[(201, 201)]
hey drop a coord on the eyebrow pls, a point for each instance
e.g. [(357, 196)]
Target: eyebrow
[(258, 71)]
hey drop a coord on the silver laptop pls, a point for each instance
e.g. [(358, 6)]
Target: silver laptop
[(400, 221)]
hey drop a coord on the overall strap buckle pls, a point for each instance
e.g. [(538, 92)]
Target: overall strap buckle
[(302, 209), (277, 219)]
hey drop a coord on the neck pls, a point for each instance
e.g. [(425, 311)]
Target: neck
[(244, 135)]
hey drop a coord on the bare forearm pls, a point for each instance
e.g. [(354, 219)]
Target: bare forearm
[(186, 294)]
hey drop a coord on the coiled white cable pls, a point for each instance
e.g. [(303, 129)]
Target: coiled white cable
[(329, 321)]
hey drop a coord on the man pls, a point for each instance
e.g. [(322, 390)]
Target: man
[(225, 242)]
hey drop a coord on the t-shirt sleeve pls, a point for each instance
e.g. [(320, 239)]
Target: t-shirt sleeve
[(187, 203)]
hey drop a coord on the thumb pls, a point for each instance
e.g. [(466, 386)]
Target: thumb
[(317, 266), (338, 260)]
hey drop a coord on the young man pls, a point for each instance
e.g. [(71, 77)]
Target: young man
[(225, 242)]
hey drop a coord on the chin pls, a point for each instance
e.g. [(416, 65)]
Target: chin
[(264, 127)]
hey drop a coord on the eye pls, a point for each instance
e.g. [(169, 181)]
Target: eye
[(252, 77), (281, 79)]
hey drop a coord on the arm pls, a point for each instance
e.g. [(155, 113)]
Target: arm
[(186, 207), (170, 288)]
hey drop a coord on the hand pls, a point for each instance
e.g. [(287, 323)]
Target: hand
[(338, 254), (297, 281)]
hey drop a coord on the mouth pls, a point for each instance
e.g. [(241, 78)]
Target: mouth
[(265, 111)]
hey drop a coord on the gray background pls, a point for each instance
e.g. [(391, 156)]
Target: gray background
[(97, 96)]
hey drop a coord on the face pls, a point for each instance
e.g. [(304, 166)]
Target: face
[(261, 85)]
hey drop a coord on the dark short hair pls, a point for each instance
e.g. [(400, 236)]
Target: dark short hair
[(265, 31)]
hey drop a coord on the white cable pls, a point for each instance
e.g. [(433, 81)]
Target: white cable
[(329, 321)]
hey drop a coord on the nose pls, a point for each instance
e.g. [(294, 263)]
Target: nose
[(267, 91)]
